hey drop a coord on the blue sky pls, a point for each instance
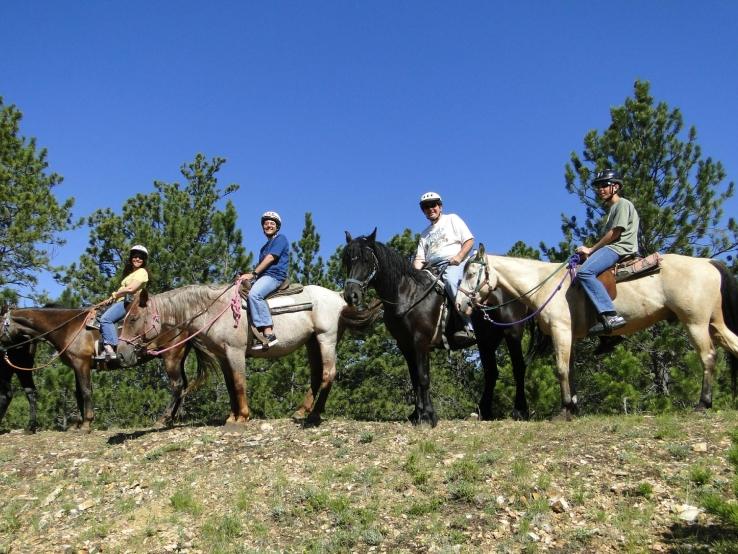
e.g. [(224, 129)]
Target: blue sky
[(351, 110)]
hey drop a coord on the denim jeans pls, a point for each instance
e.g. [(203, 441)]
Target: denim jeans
[(451, 280), (112, 315), (598, 262), (258, 307)]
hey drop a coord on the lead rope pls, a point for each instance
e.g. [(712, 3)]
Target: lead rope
[(234, 305)]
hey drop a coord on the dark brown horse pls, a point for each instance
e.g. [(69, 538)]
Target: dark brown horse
[(64, 329), (21, 357), (412, 309)]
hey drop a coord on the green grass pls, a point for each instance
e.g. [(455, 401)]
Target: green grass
[(700, 475), (157, 453), (184, 500)]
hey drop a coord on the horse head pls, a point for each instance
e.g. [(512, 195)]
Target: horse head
[(141, 325), (478, 283), (361, 265)]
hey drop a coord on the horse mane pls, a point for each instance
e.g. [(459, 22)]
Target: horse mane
[(394, 267), (185, 302)]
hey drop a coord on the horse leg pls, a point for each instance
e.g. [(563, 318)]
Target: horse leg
[(562, 341), (412, 366), (174, 366), (515, 347), (699, 335), (6, 390), (487, 343), (323, 365), (234, 368), (83, 393), (427, 413), (29, 387)]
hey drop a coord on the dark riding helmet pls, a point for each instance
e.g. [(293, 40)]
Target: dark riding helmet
[(603, 178)]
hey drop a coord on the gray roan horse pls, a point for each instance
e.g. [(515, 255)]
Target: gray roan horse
[(64, 329), (700, 293), (204, 315)]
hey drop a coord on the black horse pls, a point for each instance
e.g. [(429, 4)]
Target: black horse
[(21, 356), (412, 309)]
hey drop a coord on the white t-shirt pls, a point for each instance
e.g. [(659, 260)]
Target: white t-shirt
[(442, 240)]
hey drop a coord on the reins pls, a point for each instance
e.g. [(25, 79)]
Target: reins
[(234, 304), (6, 327), (570, 265), (363, 284)]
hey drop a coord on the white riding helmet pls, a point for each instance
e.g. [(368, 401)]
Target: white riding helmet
[(274, 216), (430, 197), (140, 248)]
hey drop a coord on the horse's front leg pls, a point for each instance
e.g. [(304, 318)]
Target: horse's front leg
[(322, 356), (29, 387), (234, 369), (83, 392), (562, 341), (412, 366), (424, 403), (174, 366), (6, 390), (515, 347), (487, 344)]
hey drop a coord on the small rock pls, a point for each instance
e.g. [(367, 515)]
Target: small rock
[(559, 505), (699, 447), (688, 512), (532, 536)]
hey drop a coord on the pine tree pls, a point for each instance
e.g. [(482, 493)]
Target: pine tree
[(31, 218), (306, 266)]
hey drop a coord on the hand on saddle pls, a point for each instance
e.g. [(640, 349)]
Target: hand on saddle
[(584, 252)]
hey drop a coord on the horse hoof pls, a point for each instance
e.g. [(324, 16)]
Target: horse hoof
[(701, 407), (520, 415), (29, 431), (299, 415)]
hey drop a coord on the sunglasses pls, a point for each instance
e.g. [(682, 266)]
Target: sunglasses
[(137, 257), (426, 205)]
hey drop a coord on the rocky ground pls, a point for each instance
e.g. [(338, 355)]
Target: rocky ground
[(593, 485)]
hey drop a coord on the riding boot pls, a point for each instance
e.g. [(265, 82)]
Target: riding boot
[(607, 324)]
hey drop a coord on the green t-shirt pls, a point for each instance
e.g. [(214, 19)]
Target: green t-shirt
[(624, 215)]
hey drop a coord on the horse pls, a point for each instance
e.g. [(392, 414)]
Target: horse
[(412, 310), (21, 357), (64, 329), (700, 293), (315, 318)]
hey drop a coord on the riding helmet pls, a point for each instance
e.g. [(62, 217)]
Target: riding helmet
[(430, 197), (141, 249), (607, 176), (274, 216)]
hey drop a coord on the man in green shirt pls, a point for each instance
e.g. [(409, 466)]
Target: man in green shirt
[(620, 239)]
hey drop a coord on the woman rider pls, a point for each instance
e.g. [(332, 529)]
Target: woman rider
[(135, 277)]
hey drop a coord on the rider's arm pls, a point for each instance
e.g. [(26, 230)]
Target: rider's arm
[(268, 260), (608, 238), (463, 253), (131, 287)]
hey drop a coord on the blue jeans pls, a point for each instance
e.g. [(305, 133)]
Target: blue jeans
[(258, 307), (112, 315), (451, 280), (601, 260)]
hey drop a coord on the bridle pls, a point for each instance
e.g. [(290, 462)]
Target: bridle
[(364, 283), (473, 294)]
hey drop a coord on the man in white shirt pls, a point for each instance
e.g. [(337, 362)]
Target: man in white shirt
[(446, 239)]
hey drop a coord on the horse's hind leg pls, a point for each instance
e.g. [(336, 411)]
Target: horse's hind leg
[(174, 366), (699, 335), (562, 340)]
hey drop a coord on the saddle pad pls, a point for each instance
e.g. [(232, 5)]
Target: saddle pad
[(294, 288)]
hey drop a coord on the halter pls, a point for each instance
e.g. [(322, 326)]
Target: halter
[(365, 283), (570, 264)]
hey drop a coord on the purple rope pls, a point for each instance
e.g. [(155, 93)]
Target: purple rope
[(571, 270)]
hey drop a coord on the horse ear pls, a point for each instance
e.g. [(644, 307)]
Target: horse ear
[(143, 298), (481, 252), (348, 237), (373, 236)]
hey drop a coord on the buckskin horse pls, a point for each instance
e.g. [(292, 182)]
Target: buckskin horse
[(412, 310), (64, 329), (700, 293), (315, 318)]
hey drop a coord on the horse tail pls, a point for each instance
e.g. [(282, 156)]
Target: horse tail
[(729, 294), (206, 362), (359, 321)]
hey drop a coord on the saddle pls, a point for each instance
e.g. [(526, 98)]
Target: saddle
[(449, 320), (285, 289), (628, 268)]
